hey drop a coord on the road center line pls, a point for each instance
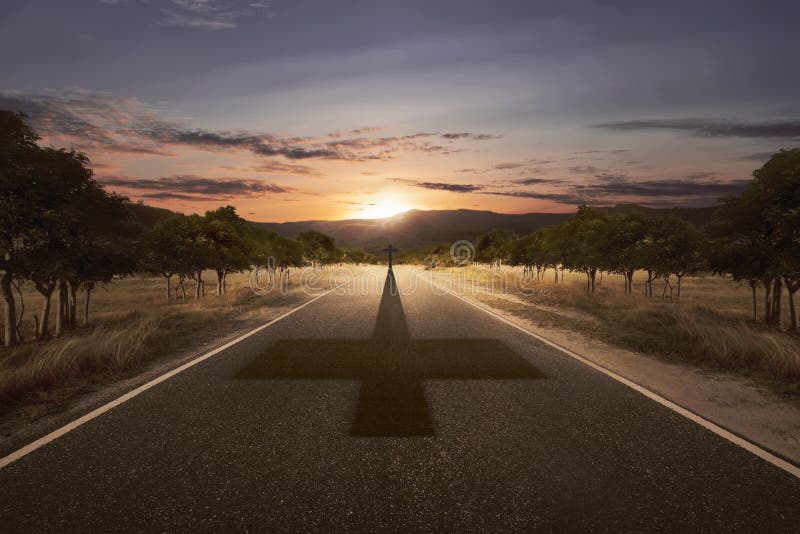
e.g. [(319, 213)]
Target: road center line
[(52, 436), (742, 442)]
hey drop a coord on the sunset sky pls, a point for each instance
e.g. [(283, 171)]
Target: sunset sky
[(330, 109)]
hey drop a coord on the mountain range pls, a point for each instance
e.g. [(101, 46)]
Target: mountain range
[(420, 228)]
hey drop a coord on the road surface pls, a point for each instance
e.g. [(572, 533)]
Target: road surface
[(393, 411)]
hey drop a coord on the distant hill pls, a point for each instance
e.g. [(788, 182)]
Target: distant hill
[(416, 228)]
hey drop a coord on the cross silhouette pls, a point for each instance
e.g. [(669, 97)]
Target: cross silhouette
[(391, 367), (390, 250)]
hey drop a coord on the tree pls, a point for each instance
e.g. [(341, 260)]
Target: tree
[(582, 243), (493, 247), (778, 181), (528, 251), (357, 256), (756, 235), (19, 208), (173, 248), (318, 248), (623, 235), (680, 250), (105, 245), (196, 250), (230, 250)]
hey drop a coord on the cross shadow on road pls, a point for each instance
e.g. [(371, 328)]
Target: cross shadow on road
[(391, 367)]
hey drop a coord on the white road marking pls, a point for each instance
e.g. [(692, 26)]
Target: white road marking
[(29, 448), (692, 416)]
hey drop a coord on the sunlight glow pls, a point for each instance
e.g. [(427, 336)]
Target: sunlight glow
[(381, 209)]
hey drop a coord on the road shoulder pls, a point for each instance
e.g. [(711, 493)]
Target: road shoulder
[(738, 404)]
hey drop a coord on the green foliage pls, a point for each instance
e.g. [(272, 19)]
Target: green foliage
[(756, 235), (225, 236), (318, 248), (493, 246), (176, 246), (357, 256), (680, 249)]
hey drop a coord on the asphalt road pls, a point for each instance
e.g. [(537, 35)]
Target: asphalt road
[(404, 412)]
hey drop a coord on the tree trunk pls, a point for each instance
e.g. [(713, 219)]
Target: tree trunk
[(755, 302), (767, 300), (61, 306), (169, 288), (73, 304), (224, 282), (220, 277), (792, 285), (592, 277), (86, 306), (46, 290), (198, 289), (664, 291), (777, 303), (18, 322), (9, 312), (44, 325)]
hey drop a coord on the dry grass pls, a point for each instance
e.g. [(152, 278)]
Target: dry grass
[(130, 325), (712, 325)]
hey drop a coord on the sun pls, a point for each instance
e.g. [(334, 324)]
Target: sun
[(382, 209)]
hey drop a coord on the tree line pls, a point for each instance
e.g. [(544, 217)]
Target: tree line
[(754, 237), (63, 233), (593, 242)]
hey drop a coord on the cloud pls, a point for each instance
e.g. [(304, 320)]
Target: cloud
[(758, 156), (99, 121), (441, 186), (712, 127), (384, 147), (195, 188), (470, 136), (203, 14), (278, 167), (508, 166), (603, 188), (536, 181), (604, 151), (92, 120), (352, 203), (258, 144), (356, 131), (453, 188), (584, 169), (611, 188)]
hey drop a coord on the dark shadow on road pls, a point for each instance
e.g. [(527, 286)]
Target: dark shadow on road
[(391, 367)]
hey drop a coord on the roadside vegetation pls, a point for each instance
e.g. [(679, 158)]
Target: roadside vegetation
[(79, 272), (711, 326), (724, 294), (132, 326)]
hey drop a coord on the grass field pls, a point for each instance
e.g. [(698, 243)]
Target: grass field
[(130, 324), (712, 324)]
